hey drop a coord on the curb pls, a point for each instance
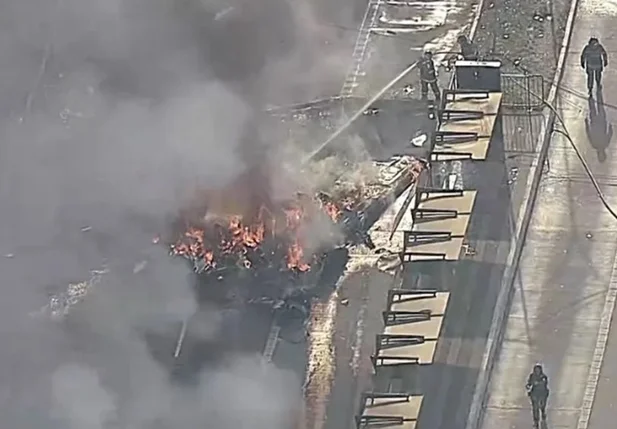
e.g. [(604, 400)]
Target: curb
[(502, 307)]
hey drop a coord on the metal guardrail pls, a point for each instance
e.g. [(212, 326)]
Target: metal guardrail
[(523, 91)]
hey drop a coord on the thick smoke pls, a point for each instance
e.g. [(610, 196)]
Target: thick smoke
[(111, 114)]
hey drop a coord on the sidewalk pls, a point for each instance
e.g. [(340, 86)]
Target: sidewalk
[(567, 263)]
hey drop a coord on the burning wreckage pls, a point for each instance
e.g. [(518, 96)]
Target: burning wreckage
[(270, 245)]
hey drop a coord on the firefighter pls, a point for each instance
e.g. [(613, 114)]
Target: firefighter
[(537, 390), (593, 61), (469, 51), (428, 75)]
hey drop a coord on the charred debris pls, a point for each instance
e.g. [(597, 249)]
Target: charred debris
[(246, 248)]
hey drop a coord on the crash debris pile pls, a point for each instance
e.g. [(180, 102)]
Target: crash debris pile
[(259, 236)]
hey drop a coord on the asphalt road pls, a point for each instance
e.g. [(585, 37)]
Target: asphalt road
[(402, 31), (565, 286)]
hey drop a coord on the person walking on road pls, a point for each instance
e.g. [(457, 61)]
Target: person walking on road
[(428, 76), (537, 390), (469, 51), (593, 60)]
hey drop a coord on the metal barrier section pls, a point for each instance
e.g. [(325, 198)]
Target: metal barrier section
[(440, 221), (523, 91), (413, 322), (466, 123), (385, 410)]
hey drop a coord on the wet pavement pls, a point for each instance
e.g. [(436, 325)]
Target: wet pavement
[(565, 288)]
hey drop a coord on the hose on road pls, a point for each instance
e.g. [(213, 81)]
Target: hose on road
[(564, 132)]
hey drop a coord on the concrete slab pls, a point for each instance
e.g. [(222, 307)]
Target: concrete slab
[(408, 408), (422, 354), (483, 127), (488, 106), (429, 328), (476, 150), (436, 305), (448, 250), (463, 202), (457, 226)]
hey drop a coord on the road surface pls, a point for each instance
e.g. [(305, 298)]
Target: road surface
[(565, 287), (400, 32)]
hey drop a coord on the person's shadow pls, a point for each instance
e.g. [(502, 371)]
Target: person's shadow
[(599, 131)]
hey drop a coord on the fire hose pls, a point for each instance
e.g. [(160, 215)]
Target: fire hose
[(564, 132)]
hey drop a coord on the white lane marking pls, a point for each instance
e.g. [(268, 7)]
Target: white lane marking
[(591, 386)]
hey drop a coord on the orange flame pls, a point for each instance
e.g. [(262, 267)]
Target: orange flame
[(294, 258), (241, 234), (332, 211)]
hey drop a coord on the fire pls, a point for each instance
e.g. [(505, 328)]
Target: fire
[(295, 254), (273, 233), (243, 240), (241, 226), (247, 236), (332, 211)]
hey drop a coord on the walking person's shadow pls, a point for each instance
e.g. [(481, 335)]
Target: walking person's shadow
[(599, 131)]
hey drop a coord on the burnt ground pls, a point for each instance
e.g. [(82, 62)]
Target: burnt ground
[(529, 31)]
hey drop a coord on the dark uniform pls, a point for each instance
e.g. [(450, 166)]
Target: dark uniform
[(537, 390), (469, 51), (428, 76), (593, 60)]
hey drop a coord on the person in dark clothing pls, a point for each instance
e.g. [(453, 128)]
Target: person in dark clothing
[(428, 76), (537, 390), (593, 61), (469, 51)]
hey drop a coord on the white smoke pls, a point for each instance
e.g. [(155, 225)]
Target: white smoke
[(111, 113)]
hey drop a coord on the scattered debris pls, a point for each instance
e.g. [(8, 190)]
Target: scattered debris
[(469, 251), (419, 141), (60, 304)]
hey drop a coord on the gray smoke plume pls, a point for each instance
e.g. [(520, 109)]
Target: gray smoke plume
[(111, 114)]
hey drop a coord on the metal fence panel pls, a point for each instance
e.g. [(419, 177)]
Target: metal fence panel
[(523, 91)]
